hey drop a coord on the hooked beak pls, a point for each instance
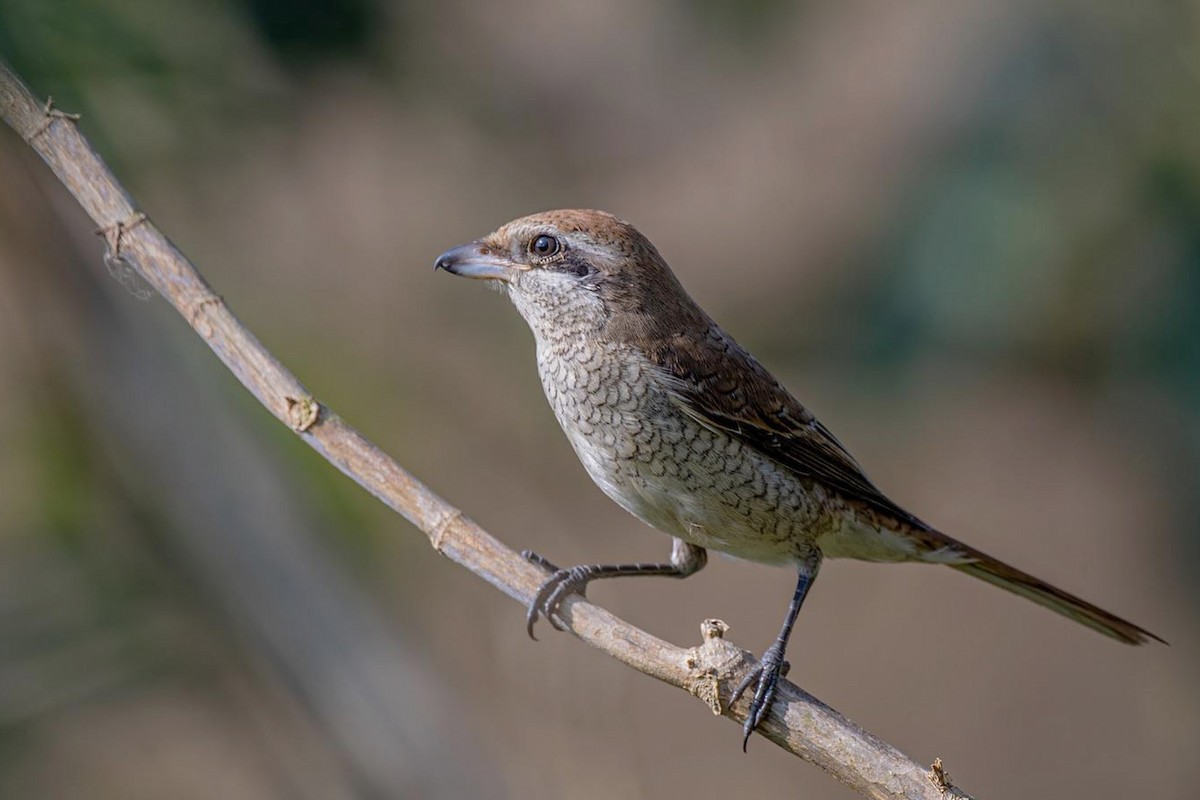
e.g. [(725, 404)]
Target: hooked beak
[(476, 261)]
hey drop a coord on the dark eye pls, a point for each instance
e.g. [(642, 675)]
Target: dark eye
[(544, 246)]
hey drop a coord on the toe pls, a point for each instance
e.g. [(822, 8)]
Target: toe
[(750, 678), (537, 560), (531, 618), (765, 677)]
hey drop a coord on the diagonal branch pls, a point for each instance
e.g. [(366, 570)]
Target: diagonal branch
[(798, 722)]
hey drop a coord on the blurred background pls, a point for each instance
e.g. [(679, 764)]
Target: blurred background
[(967, 234)]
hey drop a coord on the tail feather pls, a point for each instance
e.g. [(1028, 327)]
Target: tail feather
[(998, 573)]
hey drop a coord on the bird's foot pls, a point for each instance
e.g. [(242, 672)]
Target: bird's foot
[(537, 560), (560, 583), (765, 675)]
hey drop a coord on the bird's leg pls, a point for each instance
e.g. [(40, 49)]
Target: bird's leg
[(685, 559), (771, 666)]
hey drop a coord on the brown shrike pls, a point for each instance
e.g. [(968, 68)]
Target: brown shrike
[(686, 431)]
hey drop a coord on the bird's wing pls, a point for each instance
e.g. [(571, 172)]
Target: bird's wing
[(722, 387)]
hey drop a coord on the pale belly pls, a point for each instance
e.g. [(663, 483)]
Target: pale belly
[(686, 480), (696, 483)]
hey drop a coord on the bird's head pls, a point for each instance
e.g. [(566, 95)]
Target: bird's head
[(574, 271)]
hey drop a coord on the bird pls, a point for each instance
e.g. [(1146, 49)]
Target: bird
[(684, 429)]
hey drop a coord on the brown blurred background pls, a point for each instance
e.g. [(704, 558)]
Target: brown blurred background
[(967, 234)]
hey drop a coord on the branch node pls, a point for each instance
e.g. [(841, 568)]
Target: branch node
[(712, 663), (438, 534), (713, 629), (940, 778), (119, 266), (49, 115), (196, 316), (302, 412), (114, 234)]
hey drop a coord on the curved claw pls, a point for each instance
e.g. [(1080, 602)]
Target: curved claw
[(766, 675), (572, 583), (551, 593), (531, 618), (531, 614)]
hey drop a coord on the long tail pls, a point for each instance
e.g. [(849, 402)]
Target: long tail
[(998, 573)]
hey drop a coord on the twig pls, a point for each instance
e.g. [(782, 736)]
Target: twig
[(798, 722)]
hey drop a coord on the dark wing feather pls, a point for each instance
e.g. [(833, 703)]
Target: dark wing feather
[(721, 386)]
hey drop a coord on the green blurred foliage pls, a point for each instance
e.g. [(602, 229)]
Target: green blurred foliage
[(306, 32), (742, 23), (1052, 231)]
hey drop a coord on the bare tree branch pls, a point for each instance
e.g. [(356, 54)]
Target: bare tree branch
[(798, 722), (237, 535)]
